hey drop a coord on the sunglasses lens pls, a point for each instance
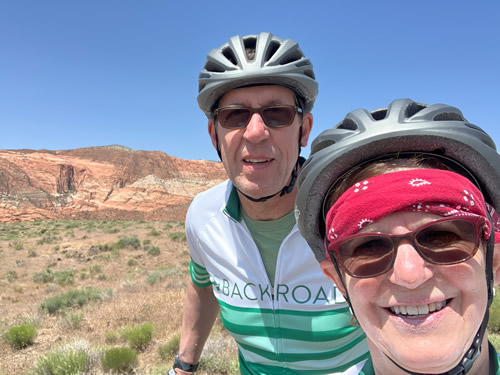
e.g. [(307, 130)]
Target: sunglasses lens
[(278, 116), (232, 118), (366, 256), (448, 242)]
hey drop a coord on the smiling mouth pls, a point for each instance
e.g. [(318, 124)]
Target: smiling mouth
[(257, 160), (421, 310)]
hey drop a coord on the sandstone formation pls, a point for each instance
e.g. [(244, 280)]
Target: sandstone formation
[(111, 182)]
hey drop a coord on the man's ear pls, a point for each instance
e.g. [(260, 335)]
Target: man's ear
[(496, 264), (212, 132), (329, 270), (307, 123)]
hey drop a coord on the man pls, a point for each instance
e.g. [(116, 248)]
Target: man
[(248, 258)]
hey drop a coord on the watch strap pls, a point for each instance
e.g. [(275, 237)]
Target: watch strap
[(180, 364)]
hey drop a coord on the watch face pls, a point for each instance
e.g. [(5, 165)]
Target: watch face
[(171, 372)]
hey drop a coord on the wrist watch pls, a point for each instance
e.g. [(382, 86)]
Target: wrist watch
[(180, 364)]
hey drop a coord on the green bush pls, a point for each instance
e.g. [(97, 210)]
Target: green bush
[(69, 299), (170, 348), (121, 360), (177, 236), (64, 277), (154, 233), (154, 251), (74, 358), (46, 276), (11, 276), (21, 336), (128, 242), (131, 262), (140, 337), (60, 277), (494, 322), (153, 277)]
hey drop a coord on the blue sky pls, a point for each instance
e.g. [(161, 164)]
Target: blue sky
[(85, 73)]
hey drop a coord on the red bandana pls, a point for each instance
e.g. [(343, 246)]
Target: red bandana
[(425, 190)]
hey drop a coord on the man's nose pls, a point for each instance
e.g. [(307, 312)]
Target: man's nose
[(256, 130)]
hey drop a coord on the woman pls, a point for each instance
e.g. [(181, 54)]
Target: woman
[(398, 199)]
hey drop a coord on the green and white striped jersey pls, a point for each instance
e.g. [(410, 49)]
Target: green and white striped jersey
[(302, 325)]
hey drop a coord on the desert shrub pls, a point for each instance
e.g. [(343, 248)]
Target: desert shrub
[(131, 262), (96, 268), (11, 276), (146, 242), (111, 337), (169, 349), (154, 232), (218, 356), (71, 298), (154, 251), (121, 360), (153, 277), (60, 277), (73, 320), (140, 337), (64, 277), (74, 358), (47, 239), (32, 252), (494, 322), (18, 245), (21, 336), (128, 242), (177, 236)]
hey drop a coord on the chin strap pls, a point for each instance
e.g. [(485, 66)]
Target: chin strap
[(286, 190)]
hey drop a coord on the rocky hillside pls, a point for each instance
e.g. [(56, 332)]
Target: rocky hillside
[(111, 182)]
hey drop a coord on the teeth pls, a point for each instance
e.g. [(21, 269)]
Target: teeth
[(418, 310), (257, 160)]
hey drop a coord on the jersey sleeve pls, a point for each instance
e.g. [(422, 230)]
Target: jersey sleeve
[(199, 274)]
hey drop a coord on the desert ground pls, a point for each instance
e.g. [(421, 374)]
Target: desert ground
[(137, 271)]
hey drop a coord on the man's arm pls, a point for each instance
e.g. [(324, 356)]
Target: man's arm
[(200, 310)]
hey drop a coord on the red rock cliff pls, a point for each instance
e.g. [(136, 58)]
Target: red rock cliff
[(110, 182)]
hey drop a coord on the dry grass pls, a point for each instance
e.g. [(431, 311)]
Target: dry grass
[(28, 248)]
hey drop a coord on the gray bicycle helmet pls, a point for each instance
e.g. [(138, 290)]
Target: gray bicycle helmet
[(404, 127), (276, 62)]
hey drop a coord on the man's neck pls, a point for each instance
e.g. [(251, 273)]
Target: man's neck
[(272, 209)]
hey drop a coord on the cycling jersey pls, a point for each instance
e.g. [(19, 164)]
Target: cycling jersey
[(302, 325)]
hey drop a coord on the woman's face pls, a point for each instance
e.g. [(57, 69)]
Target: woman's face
[(424, 315)]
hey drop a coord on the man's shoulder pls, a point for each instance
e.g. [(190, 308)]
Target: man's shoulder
[(209, 202)]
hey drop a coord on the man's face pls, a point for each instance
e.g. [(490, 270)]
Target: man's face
[(259, 160)]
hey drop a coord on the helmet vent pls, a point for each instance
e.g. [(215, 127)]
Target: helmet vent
[(321, 145), (250, 47), (348, 124), (309, 73), (291, 57), (448, 116), (271, 50), (210, 66), (413, 108), (378, 114), (229, 54)]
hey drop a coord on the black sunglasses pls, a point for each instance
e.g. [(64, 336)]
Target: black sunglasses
[(274, 116), (444, 241)]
